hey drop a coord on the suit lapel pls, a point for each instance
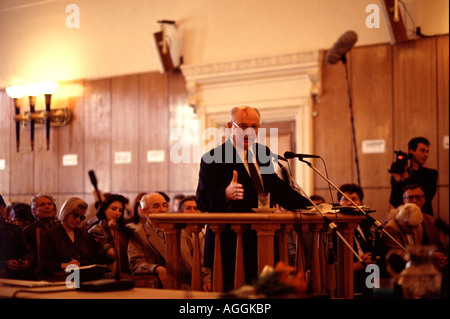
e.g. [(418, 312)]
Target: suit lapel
[(153, 241)]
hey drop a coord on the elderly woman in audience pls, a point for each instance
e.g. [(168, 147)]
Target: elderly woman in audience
[(111, 233), (68, 243)]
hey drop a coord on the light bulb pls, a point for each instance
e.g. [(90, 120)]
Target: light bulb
[(16, 91)]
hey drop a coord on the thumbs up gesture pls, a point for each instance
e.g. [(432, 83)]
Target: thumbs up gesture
[(234, 190)]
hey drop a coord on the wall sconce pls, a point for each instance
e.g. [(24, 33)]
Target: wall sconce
[(48, 117)]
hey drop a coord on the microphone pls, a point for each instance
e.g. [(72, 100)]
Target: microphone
[(97, 192), (342, 45), (93, 179), (300, 156)]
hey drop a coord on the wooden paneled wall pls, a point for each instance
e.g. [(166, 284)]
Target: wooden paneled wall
[(122, 114), (398, 92)]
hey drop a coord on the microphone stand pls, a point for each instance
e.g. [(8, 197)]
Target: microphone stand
[(330, 224), (370, 218), (350, 104)]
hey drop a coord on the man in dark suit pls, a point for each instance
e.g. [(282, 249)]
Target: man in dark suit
[(230, 178), (415, 173)]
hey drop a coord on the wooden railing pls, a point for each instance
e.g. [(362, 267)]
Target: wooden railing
[(266, 226)]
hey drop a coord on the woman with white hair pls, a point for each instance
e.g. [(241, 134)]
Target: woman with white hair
[(405, 227), (67, 244)]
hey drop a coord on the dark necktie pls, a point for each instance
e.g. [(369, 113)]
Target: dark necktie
[(254, 175)]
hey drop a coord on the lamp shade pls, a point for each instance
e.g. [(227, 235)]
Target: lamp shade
[(48, 87), (16, 91)]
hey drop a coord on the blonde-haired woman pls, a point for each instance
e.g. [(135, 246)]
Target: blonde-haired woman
[(67, 244)]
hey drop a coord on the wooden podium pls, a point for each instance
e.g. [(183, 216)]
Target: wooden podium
[(266, 226)]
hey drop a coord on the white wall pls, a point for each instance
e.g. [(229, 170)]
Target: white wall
[(114, 36)]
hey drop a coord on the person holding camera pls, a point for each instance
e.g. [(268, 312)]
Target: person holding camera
[(409, 169)]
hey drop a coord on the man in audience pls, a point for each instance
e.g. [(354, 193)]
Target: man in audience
[(44, 211), (147, 246), (431, 234), (16, 256), (188, 205), (363, 240)]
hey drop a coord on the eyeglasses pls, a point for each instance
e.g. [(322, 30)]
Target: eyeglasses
[(245, 126), (76, 216), (412, 197)]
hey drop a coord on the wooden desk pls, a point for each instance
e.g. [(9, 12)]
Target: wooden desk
[(266, 225), (61, 292)]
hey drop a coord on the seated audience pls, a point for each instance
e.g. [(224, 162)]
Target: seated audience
[(43, 208), (189, 205), (147, 246), (363, 240), (111, 233), (67, 243), (409, 226), (16, 256), (176, 202)]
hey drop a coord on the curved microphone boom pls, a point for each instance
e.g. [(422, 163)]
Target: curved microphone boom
[(341, 47)]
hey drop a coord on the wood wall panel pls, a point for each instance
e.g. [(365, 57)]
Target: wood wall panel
[(22, 163), (71, 137), (7, 140), (442, 51), (372, 94), (153, 127), (97, 126), (414, 84), (332, 130), (124, 132)]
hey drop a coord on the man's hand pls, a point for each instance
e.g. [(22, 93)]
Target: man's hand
[(234, 190), (161, 272), (399, 176)]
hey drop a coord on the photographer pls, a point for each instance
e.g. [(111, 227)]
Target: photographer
[(414, 173)]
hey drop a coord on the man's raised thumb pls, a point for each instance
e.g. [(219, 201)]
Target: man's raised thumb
[(235, 177)]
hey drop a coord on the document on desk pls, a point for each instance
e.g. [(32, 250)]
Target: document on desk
[(30, 283)]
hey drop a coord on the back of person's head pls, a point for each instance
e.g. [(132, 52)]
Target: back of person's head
[(413, 143), (22, 212), (166, 197), (409, 215), (71, 205), (109, 199), (136, 204), (351, 188), (317, 199)]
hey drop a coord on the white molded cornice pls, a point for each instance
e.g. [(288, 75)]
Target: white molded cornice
[(295, 64)]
